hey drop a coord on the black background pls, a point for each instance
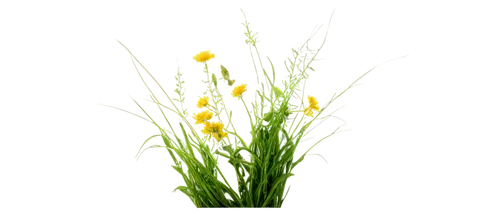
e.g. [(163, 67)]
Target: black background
[(376, 171)]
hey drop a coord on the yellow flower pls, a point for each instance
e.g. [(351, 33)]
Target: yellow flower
[(215, 129), (207, 128), (313, 105), (238, 90), (202, 102), (202, 117), (203, 56)]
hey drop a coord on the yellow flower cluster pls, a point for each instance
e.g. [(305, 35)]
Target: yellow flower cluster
[(204, 56), (211, 128), (313, 105), (215, 129), (202, 115)]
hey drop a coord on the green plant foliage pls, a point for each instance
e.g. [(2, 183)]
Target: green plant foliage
[(277, 128)]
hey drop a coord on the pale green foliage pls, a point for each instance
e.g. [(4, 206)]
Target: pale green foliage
[(299, 65), (180, 90), (264, 79), (271, 149)]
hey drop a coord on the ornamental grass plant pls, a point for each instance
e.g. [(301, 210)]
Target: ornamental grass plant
[(280, 117)]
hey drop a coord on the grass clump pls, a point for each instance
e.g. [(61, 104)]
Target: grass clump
[(279, 120)]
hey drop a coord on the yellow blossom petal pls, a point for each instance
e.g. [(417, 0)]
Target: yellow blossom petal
[(208, 128), (217, 126), (216, 136)]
